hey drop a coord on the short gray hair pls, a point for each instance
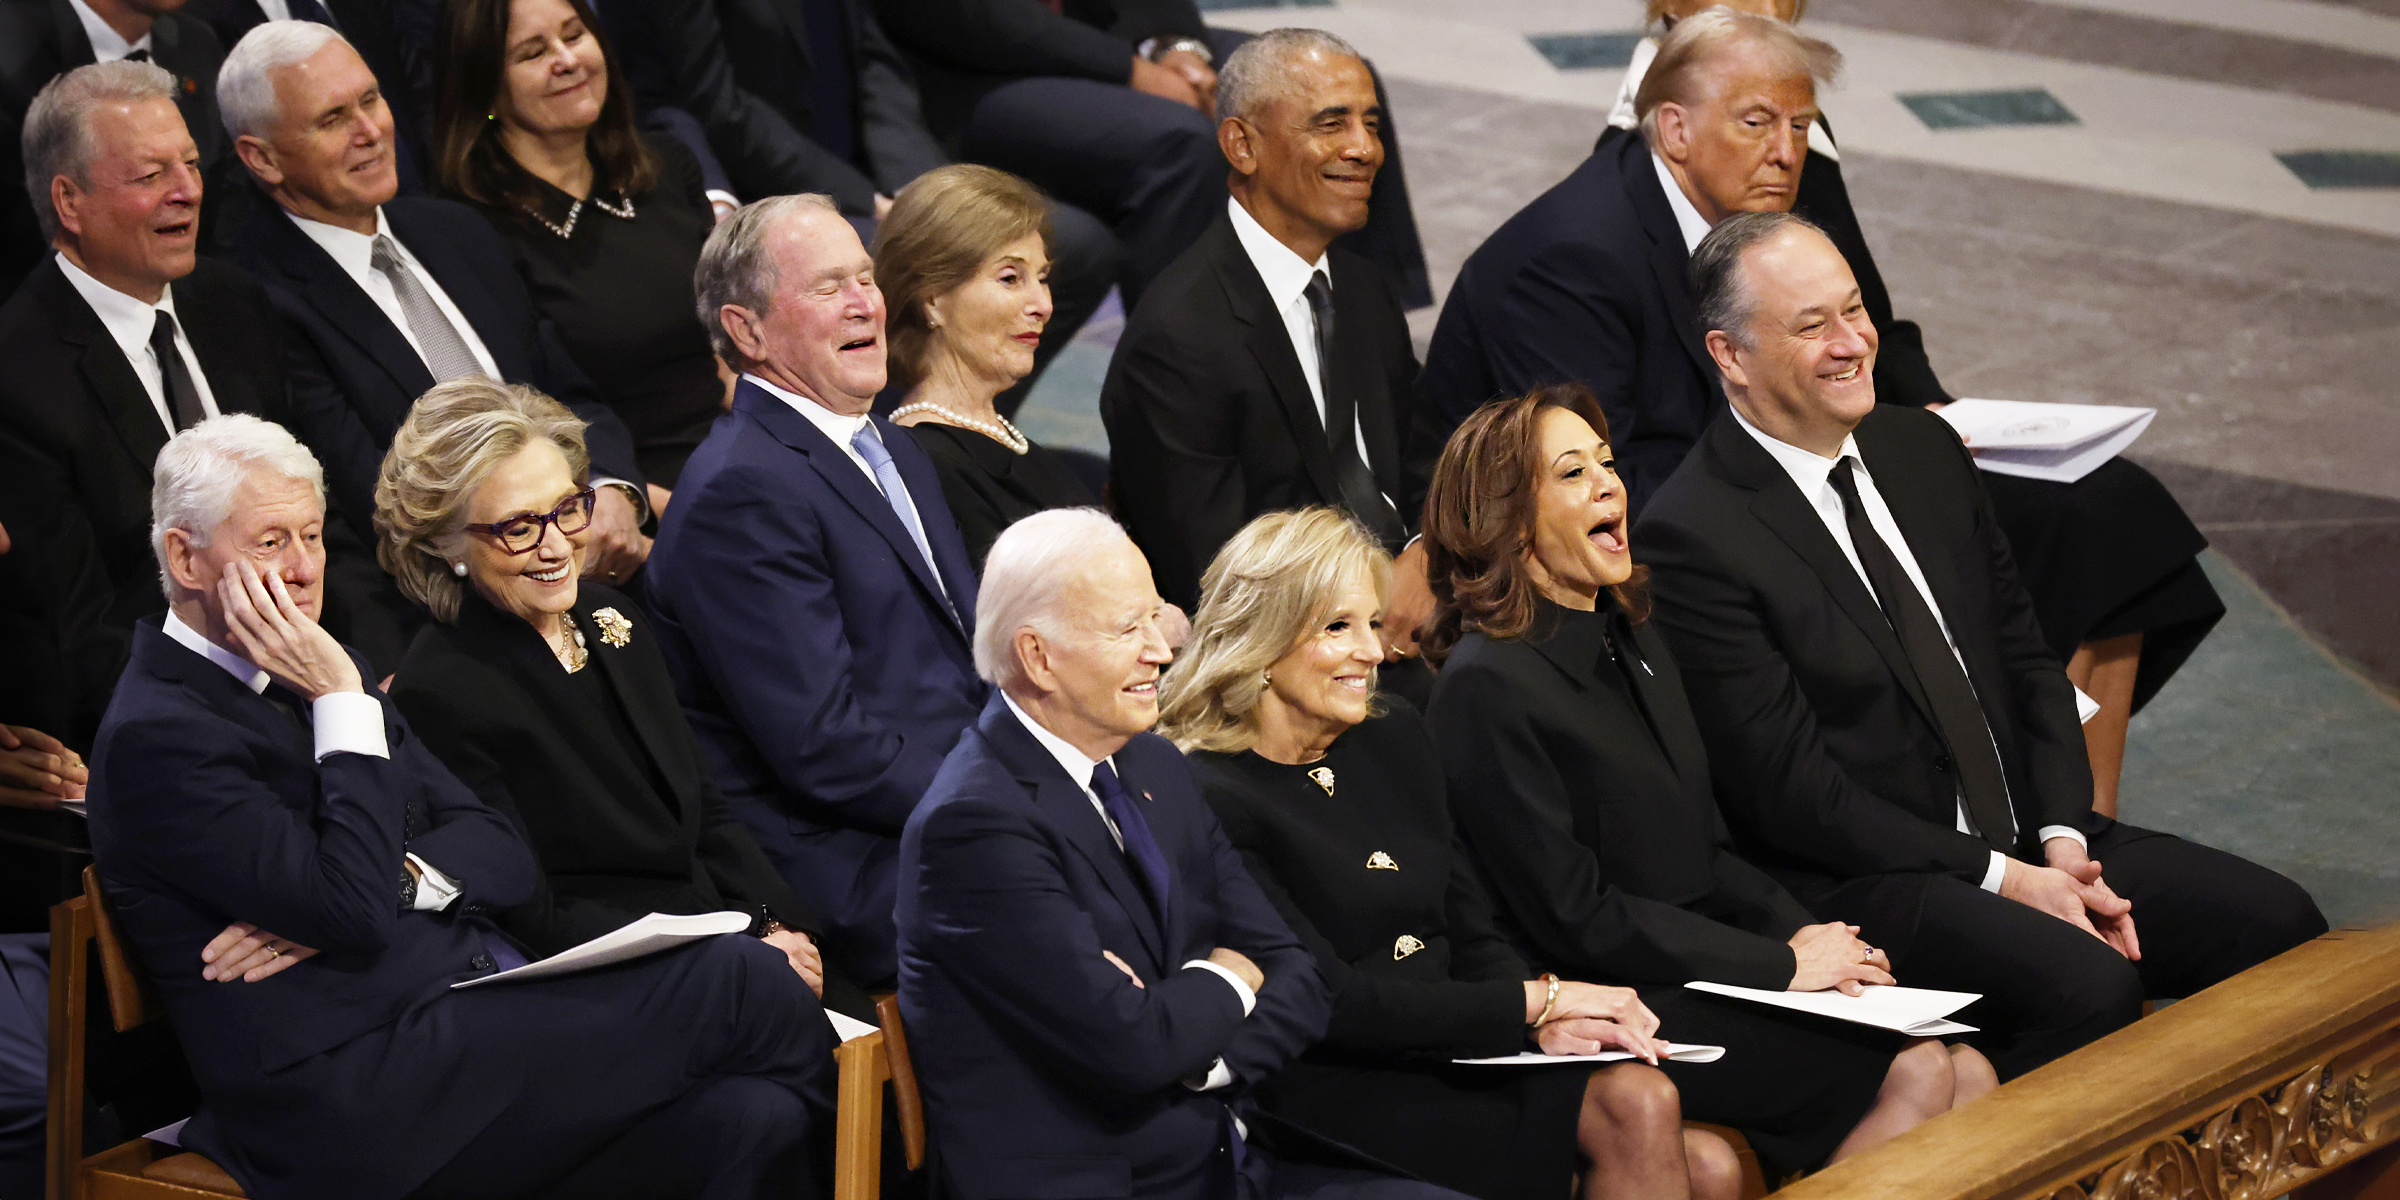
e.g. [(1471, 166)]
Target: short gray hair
[(192, 485), (58, 125), (1261, 69), (246, 83), (1027, 570), (1721, 296), (735, 267), (1700, 39)]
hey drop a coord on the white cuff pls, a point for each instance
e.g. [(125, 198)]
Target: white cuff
[(1995, 873), (1219, 1075), (1249, 998), (2065, 831), (435, 890), (348, 723)]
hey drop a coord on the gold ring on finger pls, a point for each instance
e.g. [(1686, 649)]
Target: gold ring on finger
[(272, 952)]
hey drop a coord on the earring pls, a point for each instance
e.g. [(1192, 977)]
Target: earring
[(459, 569), (1266, 677)]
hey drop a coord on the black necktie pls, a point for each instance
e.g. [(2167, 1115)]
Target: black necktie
[(1141, 847), (137, 56), (183, 400), (1955, 708), (310, 10), (1359, 493)]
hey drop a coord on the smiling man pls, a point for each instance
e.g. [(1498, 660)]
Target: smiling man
[(1890, 735), (121, 337), (813, 593), (382, 298), (1263, 370)]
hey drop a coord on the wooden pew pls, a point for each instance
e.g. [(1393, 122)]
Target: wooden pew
[(2286, 1077)]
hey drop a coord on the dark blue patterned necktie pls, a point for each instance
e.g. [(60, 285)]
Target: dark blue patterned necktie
[(1149, 863)]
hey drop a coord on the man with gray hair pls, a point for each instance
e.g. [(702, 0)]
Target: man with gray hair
[(258, 813), (1266, 368), (123, 335), (1092, 983), (812, 591)]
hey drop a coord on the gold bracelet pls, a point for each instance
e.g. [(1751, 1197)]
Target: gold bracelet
[(1549, 1004)]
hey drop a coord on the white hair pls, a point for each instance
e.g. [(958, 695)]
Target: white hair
[(1266, 66), (58, 127), (192, 485), (246, 82), (736, 267), (1025, 573)]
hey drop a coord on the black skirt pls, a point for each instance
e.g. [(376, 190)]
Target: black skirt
[(1495, 1133), (1795, 1085)]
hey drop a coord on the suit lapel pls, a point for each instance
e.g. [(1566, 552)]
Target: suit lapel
[(347, 308), (227, 380), (1668, 257), (1359, 377), (1270, 344), (1063, 803), (118, 391), (75, 47), (644, 700), (1663, 700)]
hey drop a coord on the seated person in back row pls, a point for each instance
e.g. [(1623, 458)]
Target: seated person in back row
[(260, 815), (1092, 983)]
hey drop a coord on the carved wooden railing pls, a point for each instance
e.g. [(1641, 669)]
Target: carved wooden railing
[(2247, 1091)]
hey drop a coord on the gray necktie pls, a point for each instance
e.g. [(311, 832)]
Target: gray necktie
[(895, 493), (446, 353)]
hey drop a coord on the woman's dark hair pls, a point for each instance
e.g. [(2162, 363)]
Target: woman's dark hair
[(1479, 517), (468, 159)]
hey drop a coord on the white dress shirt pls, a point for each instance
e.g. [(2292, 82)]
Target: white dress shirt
[(1286, 275), (1688, 220), (841, 429), (129, 322), (107, 44), (1813, 475), (343, 722), (1079, 768), (354, 253)]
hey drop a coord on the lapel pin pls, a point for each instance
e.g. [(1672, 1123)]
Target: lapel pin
[(1379, 861), (1405, 946), (1322, 777), (614, 628)]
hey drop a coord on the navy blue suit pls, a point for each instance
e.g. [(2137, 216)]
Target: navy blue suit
[(813, 650), (359, 1072), (1046, 1071)]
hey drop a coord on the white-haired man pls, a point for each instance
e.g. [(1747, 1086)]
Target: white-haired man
[(1092, 982), (305, 883), (382, 298)]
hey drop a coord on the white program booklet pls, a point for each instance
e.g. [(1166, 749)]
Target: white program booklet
[(848, 1028), (2058, 442), (1915, 1011), (648, 936), (1675, 1050)]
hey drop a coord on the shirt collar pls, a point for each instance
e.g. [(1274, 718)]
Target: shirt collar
[(354, 252), (1071, 760), (128, 320), (1286, 274), (107, 44), (834, 425), (1687, 218), (1806, 468), (247, 673)]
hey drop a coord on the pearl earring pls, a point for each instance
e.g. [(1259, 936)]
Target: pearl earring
[(459, 569)]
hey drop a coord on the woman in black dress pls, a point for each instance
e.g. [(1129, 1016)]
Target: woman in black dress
[(546, 693), (1578, 776), (536, 129), (963, 259)]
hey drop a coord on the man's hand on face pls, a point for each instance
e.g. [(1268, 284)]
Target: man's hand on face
[(615, 547), (37, 770), (248, 953), (1165, 83), (282, 640)]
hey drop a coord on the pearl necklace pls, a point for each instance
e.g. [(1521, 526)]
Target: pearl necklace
[(1006, 434), (569, 649), (575, 213)]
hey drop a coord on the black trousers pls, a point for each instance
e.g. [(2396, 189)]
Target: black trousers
[(2202, 916)]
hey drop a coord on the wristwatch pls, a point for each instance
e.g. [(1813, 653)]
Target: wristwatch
[(1157, 48), (408, 890)]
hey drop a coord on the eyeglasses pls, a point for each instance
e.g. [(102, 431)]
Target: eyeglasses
[(521, 533)]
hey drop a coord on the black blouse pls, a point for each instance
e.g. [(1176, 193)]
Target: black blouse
[(619, 292), (990, 487), (1356, 851)]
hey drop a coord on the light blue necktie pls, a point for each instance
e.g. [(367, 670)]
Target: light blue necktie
[(895, 493)]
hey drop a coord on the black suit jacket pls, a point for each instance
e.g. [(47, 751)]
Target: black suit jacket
[(85, 436), (743, 69), (1046, 1071), (41, 40), (1210, 420), (1827, 757), (208, 807), (1595, 819), (621, 827), (354, 376), (964, 48)]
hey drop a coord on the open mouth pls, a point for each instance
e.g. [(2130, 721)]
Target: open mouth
[(177, 230), (865, 343), (1147, 689), (553, 575), (1609, 535), (1846, 376)]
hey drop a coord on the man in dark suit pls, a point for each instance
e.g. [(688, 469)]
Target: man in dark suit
[(1265, 370), (1889, 733), (1092, 982), (813, 593), (305, 883), (43, 39), (122, 336), (381, 299)]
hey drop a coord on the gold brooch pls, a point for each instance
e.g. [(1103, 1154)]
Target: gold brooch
[(1322, 777), (1379, 861), (1405, 946), (614, 628)]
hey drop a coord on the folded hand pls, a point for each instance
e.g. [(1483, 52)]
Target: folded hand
[(37, 770), (248, 953)]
